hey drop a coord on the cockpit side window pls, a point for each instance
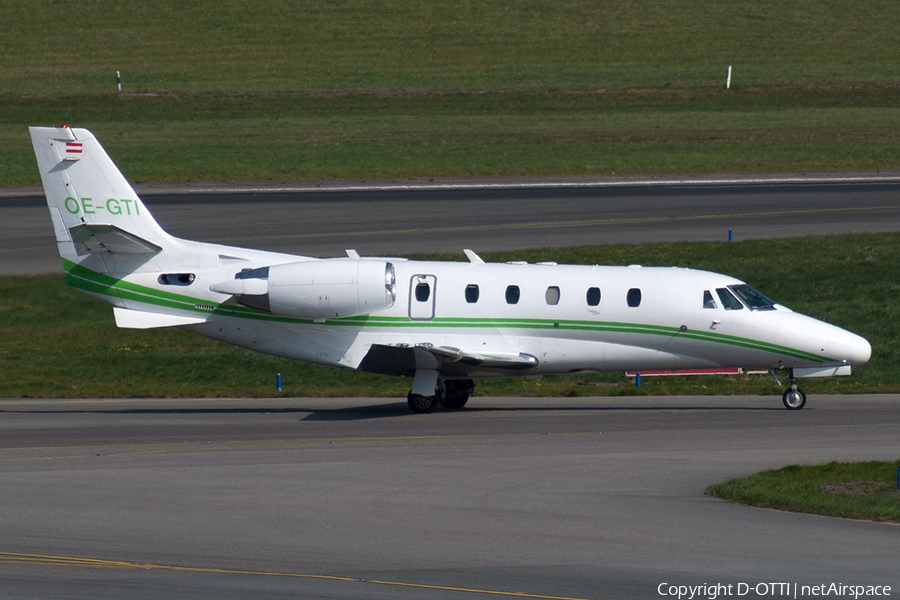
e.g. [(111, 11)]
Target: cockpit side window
[(708, 300), (728, 299), (752, 298)]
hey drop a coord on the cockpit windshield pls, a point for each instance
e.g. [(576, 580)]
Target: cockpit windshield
[(752, 298)]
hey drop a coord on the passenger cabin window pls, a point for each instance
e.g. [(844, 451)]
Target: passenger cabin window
[(593, 296), (552, 295), (512, 294), (708, 300), (634, 297), (423, 292), (471, 293), (728, 299), (176, 278)]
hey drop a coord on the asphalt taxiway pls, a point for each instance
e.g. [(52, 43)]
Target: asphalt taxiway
[(351, 498)]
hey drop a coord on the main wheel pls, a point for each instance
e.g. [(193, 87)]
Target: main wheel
[(454, 402), (420, 404), (794, 399), (455, 393)]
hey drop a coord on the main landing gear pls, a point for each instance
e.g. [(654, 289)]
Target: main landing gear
[(794, 398), (451, 394)]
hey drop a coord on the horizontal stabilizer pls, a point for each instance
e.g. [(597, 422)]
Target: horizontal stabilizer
[(93, 238), (139, 319)]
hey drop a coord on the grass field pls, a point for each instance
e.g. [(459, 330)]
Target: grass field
[(57, 342), (254, 137), (866, 490), (361, 89), (53, 47)]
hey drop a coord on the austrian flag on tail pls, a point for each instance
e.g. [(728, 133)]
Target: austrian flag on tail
[(73, 150)]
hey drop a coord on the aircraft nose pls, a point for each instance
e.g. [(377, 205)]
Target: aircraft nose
[(855, 350), (860, 351)]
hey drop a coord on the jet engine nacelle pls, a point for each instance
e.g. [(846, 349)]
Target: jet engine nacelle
[(316, 289), (331, 288)]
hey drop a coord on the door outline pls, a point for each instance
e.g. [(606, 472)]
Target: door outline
[(422, 311)]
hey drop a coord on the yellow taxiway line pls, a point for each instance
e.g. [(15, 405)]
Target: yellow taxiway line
[(23, 558)]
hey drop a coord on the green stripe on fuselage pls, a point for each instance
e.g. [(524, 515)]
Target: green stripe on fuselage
[(98, 283)]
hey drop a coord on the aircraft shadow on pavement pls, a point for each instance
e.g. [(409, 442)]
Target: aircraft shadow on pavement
[(389, 409), (157, 411), (338, 414), (399, 410)]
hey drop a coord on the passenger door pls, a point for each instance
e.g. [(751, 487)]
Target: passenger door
[(422, 291)]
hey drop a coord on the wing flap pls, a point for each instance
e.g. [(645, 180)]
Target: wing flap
[(406, 359), (513, 362)]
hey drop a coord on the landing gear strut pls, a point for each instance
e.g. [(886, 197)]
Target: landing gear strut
[(421, 398), (794, 398)]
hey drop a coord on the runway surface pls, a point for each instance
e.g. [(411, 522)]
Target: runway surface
[(358, 498), (530, 214)]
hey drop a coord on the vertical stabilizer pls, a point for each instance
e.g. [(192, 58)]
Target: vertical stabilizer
[(96, 213)]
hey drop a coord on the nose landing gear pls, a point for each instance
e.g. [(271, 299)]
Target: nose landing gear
[(794, 398)]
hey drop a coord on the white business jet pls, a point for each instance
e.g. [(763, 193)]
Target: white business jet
[(442, 323)]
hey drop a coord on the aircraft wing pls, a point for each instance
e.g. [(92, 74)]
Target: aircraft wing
[(405, 360)]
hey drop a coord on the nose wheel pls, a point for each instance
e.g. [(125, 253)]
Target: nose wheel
[(794, 398)]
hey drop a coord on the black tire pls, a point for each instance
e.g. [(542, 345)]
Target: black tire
[(420, 404), (455, 393), (455, 401), (794, 399)]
